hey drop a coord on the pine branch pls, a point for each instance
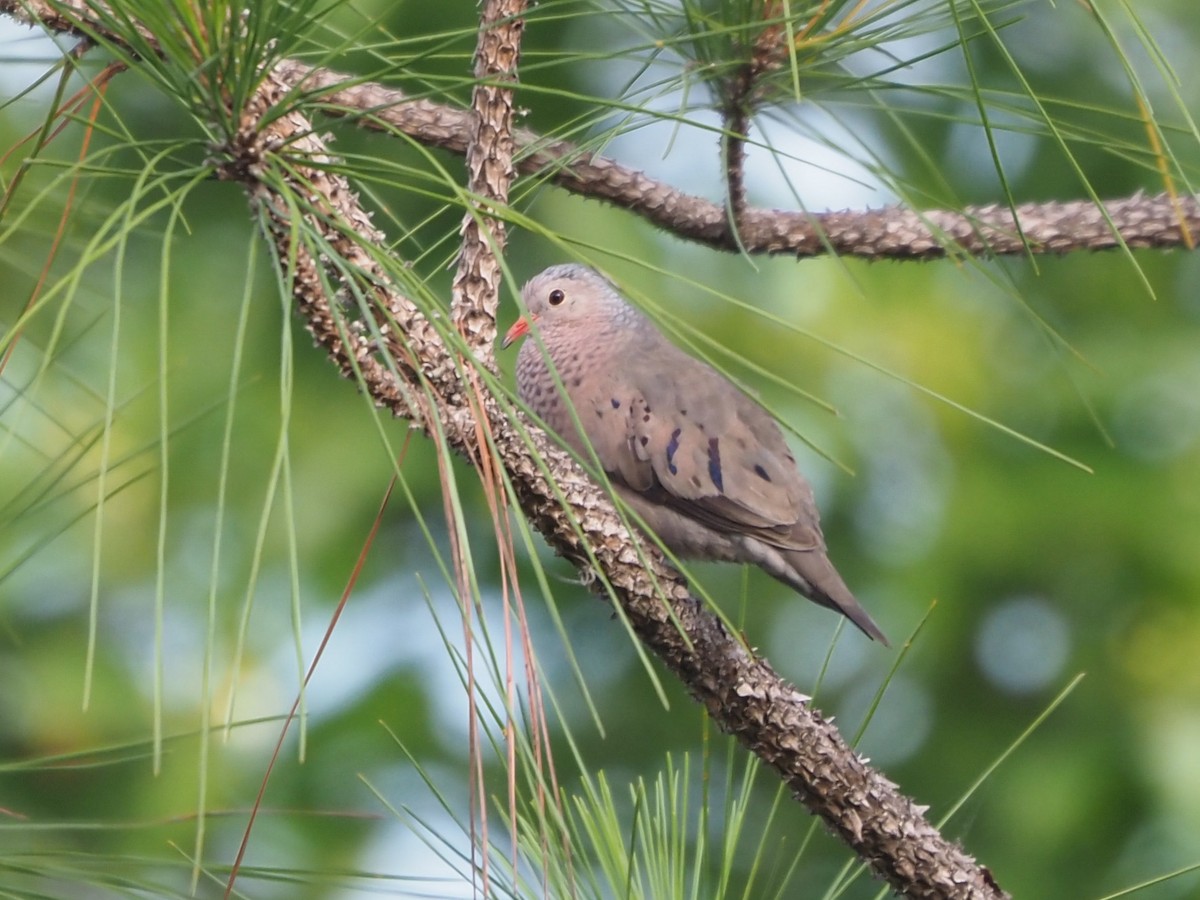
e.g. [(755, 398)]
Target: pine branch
[(1160, 221), (736, 117), (489, 153), (1140, 221), (740, 690), (740, 93)]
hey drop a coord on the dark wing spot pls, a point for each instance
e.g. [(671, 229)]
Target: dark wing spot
[(683, 412), (714, 464), (645, 439), (672, 446), (761, 473), (616, 404)]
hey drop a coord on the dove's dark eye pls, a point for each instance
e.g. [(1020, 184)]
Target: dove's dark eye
[(557, 297)]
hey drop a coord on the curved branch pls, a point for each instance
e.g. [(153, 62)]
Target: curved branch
[(1159, 221), (1140, 221), (741, 691)]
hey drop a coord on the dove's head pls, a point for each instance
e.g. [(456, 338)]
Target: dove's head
[(570, 296)]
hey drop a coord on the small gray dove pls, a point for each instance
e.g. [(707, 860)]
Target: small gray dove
[(702, 463)]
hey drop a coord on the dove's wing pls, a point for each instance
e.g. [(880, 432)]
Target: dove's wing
[(678, 432)]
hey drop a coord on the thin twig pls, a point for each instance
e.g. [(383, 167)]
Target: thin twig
[(736, 115)]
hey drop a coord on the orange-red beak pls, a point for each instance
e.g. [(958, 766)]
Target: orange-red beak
[(520, 328)]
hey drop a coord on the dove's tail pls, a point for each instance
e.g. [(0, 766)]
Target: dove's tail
[(812, 574)]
